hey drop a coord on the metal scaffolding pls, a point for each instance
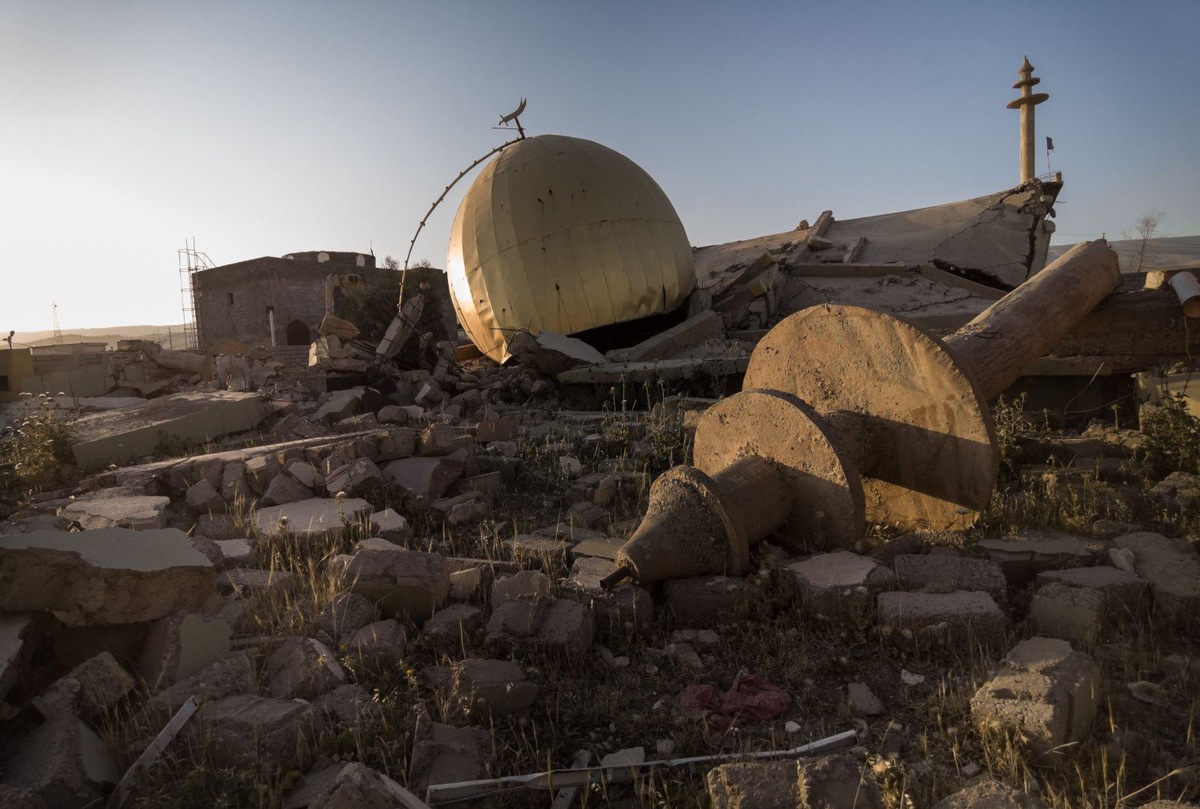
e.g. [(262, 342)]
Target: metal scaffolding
[(191, 261)]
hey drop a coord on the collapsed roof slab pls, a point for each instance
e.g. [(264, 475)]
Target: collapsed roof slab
[(132, 432)]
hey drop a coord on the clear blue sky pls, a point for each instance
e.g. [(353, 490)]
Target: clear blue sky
[(260, 128)]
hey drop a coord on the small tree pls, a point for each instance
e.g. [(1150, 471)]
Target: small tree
[(1144, 231)]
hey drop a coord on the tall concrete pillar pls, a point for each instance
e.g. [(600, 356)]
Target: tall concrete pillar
[(1025, 104)]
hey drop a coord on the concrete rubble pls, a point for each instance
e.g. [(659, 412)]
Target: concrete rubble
[(408, 494)]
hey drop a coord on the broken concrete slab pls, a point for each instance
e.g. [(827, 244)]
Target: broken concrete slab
[(312, 519), (945, 574), (1023, 556), (840, 583), (1044, 692), (964, 616), (340, 404), (63, 762), (360, 476), (550, 352), (1171, 568), (522, 584), (690, 333), (118, 510), (234, 675), (105, 576), (400, 582), (118, 436), (499, 687)]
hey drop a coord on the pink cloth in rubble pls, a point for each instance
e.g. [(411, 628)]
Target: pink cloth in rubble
[(750, 697)]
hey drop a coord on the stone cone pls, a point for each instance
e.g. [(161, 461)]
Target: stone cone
[(686, 532)]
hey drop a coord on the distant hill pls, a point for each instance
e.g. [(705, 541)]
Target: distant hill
[(167, 336)]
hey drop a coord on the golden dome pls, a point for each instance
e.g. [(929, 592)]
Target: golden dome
[(563, 234)]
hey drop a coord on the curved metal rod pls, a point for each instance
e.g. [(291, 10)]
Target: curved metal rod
[(438, 201)]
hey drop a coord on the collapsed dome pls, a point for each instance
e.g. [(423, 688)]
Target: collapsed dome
[(563, 234)]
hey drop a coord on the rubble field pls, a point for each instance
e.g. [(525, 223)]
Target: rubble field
[(359, 598)]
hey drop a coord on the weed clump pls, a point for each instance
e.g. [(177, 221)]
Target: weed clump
[(36, 455)]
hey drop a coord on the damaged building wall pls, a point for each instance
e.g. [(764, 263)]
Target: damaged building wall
[(235, 301)]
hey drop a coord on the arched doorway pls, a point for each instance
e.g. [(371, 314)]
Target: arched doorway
[(298, 333)]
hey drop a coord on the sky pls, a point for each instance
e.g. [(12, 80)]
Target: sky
[(130, 129)]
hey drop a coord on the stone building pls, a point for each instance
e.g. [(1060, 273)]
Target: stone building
[(271, 301)]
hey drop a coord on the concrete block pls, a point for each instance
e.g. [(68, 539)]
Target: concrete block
[(357, 785), (93, 686), (471, 511), (499, 687), (136, 512), (382, 643), (340, 404), (863, 701), (398, 442), (589, 515), (1044, 692), (837, 780), (543, 625), (1171, 568), (499, 429), (261, 470), (247, 727), (707, 601), (311, 519), (401, 582), (182, 645), (614, 611), (454, 625), (444, 754), (426, 478), (218, 527), (348, 705), (234, 552), (359, 477), (1124, 592), (119, 436), (107, 576), (524, 584), (985, 792), (1074, 614), (284, 488), (302, 668), (964, 616), (841, 583), (437, 440), (345, 614), (754, 785), (945, 574), (305, 474), (393, 527), (203, 498), (14, 629), (234, 675)]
